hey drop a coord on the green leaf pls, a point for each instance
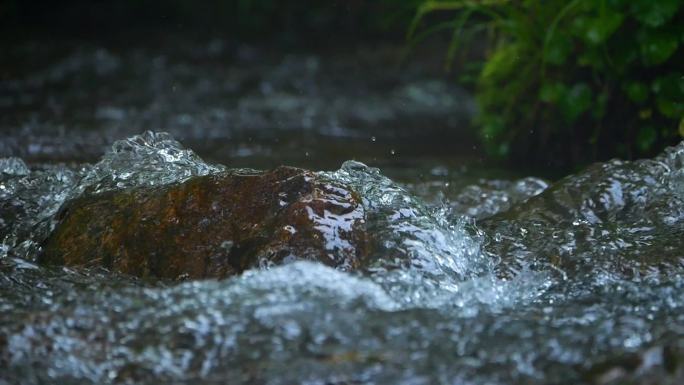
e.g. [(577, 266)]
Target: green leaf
[(557, 49), (598, 30), (670, 108), (654, 13), (576, 101), (503, 149), (657, 46), (670, 86), (501, 63), (551, 29), (552, 92), (623, 53), (646, 138), (579, 25), (492, 128), (637, 92), (591, 57), (669, 90)]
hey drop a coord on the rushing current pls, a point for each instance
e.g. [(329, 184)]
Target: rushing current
[(499, 282)]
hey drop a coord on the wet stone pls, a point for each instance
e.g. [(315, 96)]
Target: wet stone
[(618, 218), (212, 226)]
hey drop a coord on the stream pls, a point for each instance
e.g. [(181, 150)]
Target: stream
[(485, 275)]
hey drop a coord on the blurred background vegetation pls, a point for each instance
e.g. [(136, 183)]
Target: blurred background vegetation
[(567, 81), (557, 81)]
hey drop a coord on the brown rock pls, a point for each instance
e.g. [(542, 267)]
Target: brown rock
[(212, 226)]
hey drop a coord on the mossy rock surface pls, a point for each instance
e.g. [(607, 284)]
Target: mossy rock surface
[(212, 226)]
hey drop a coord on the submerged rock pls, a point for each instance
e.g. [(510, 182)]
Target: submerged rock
[(618, 219), (212, 226)]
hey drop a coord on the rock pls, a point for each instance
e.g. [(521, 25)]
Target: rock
[(212, 226), (622, 218)]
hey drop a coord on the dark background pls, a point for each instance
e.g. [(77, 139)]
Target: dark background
[(301, 23), (78, 75)]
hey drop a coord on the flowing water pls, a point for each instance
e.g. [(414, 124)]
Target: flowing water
[(580, 282), (480, 279)]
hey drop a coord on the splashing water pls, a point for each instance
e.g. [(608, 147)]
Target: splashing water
[(578, 283), (619, 219), (150, 159), (30, 199)]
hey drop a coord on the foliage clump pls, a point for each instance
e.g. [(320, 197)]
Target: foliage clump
[(568, 81)]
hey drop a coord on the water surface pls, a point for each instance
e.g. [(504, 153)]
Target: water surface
[(484, 275)]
